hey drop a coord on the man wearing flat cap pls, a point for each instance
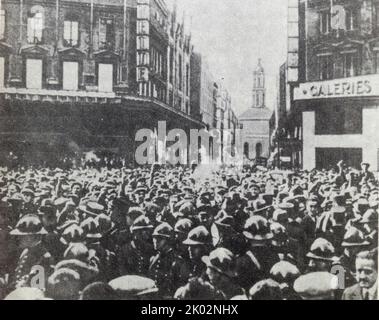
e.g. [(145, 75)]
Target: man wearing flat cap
[(133, 287), (317, 286)]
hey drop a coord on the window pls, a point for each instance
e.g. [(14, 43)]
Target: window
[(34, 73), (258, 150), (350, 65), (340, 119), (106, 33), (2, 73), (143, 58), (187, 80), (180, 73), (2, 24), (35, 27), (325, 64), (70, 76), (142, 43), (352, 16), (105, 77), (71, 33), (376, 55), (325, 22), (171, 65), (376, 17)]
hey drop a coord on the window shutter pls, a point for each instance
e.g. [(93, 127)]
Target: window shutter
[(75, 32), (2, 24), (102, 33), (338, 66), (30, 30)]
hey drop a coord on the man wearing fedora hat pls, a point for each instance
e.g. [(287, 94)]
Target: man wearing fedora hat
[(353, 242), (221, 272), (29, 231), (167, 269), (256, 263), (134, 257), (199, 244), (321, 256)]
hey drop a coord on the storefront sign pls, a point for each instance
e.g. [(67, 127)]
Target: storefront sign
[(365, 86)]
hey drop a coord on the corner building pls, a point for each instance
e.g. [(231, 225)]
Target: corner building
[(78, 76), (338, 94)]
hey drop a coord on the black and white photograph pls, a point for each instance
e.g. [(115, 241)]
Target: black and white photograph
[(189, 150)]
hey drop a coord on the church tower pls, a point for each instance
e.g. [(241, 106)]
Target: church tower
[(259, 91)]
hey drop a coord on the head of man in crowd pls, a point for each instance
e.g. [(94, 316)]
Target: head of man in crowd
[(366, 265)]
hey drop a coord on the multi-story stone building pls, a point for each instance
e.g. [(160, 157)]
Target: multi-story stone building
[(86, 75), (203, 91), (338, 89)]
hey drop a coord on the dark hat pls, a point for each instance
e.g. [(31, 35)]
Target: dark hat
[(224, 220), (188, 209), (221, 190), (268, 198), (151, 209), (29, 225), (91, 228), (135, 212), (362, 205), (28, 191), (267, 289), (257, 228), (198, 236), (64, 284), (221, 260), (370, 216), (164, 230), (133, 286), (322, 249), (73, 233), (280, 216), (316, 285), (354, 238), (284, 272), (98, 291), (183, 226), (197, 289), (76, 251), (258, 206), (141, 223), (92, 208), (105, 223), (67, 223), (279, 234), (49, 211)]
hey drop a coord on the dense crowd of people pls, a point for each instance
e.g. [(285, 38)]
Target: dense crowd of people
[(201, 233)]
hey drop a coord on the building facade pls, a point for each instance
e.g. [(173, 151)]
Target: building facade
[(338, 95), (203, 91), (255, 121), (87, 75)]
